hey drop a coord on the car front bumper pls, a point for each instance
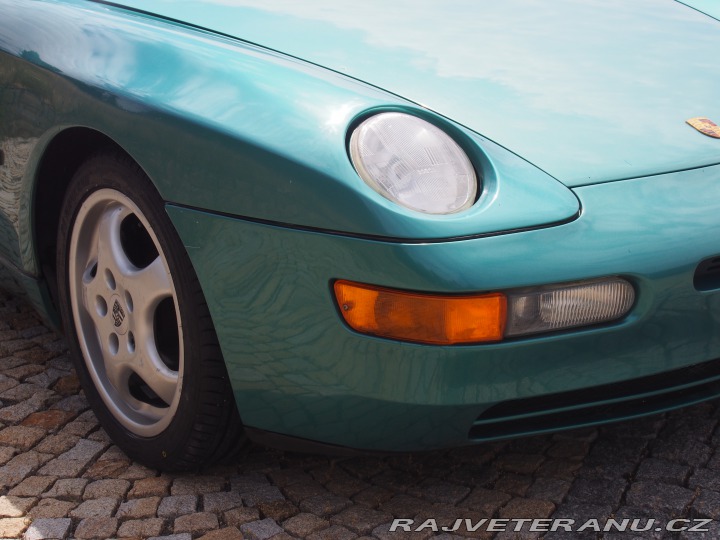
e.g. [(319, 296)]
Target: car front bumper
[(297, 370)]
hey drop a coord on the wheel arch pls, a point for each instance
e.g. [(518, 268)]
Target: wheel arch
[(61, 158)]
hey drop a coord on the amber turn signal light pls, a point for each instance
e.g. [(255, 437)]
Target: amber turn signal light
[(422, 318)]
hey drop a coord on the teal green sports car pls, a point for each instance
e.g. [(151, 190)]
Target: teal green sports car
[(365, 225)]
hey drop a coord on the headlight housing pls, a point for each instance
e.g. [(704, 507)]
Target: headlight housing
[(413, 163)]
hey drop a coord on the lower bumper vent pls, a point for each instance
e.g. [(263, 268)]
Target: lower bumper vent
[(635, 397)]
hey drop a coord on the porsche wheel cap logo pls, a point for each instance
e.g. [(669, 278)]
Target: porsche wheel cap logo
[(118, 314), (705, 126)]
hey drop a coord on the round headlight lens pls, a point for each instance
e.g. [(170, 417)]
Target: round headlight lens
[(413, 163)]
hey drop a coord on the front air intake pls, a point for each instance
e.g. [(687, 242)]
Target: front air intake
[(599, 404)]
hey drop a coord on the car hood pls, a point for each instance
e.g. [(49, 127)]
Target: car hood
[(589, 91)]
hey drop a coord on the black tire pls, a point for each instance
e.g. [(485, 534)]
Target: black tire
[(150, 367)]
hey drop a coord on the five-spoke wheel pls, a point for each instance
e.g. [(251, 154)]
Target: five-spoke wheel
[(125, 310), (137, 323)]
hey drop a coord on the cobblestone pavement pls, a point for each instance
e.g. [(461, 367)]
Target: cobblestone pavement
[(61, 477)]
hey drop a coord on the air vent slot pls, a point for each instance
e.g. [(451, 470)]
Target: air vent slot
[(600, 404), (707, 275)]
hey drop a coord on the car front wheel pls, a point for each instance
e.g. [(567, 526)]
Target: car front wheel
[(137, 323)]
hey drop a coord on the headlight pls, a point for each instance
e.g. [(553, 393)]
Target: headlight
[(413, 163)]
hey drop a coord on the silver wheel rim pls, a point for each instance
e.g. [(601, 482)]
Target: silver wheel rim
[(126, 313)]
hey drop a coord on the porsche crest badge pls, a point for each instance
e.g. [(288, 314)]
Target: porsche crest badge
[(705, 126)]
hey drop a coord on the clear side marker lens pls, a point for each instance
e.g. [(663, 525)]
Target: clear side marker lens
[(568, 306)]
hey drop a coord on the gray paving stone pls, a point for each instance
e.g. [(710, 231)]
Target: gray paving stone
[(67, 488), (11, 506), (139, 508), (707, 505), (485, 501), (283, 477), (647, 495), (382, 532), (347, 487), (605, 470), (197, 485), (7, 382), (472, 475), (21, 437), (84, 450), (249, 482), (19, 411), (196, 523), (96, 527), (612, 450), (663, 471), (113, 453), (13, 527), (73, 404), (233, 533), (260, 530), (6, 454), (114, 488), (684, 451), (440, 491), (305, 490), (177, 505), (57, 444), (102, 507), (261, 495), (141, 528), (514, 484), (596, 491), (705, 478), (519, 463), (688, 426), (221, 501), (32, 486), (63, 467), (324, 505), (147, 487), (24, 391), (137, 472), (527, 508), (336, 532), (239, 516), (565, 448), (582, 512), (52, 508), (550, 489), (42, 529), (645, 518), (359, 519), (373, 496), (304, 524), (47, 377), (20, 466), (277, 510)]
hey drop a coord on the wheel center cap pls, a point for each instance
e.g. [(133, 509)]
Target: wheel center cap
[(119, 315)]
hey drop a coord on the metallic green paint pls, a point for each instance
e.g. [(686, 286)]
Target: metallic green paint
[(257, 140), (708, 7), (297, 370), (225, 126), (588, 90)]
